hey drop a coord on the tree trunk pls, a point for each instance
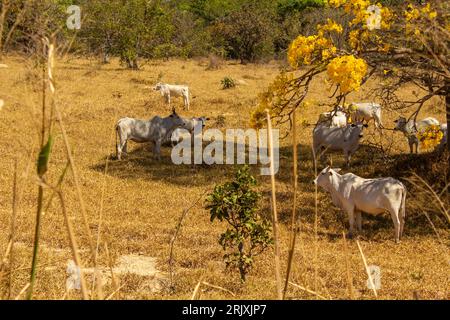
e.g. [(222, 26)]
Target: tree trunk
[(5, 8)]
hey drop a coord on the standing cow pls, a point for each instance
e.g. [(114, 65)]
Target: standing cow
[(344, 139), (155, 130), (168, 91), (410, 129), (354, 195)]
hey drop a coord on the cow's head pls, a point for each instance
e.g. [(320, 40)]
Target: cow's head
[(158, 86), (400, 124), (177, 121), (358, 128), (327, 178)]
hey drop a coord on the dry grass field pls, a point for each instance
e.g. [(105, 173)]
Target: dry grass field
[(134, 205)]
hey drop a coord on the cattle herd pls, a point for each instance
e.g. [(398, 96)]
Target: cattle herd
[(337, 130)]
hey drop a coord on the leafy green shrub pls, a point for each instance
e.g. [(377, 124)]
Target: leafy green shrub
[(248, 233), (228, 83)]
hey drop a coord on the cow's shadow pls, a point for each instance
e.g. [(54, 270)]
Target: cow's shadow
[(140, 163)]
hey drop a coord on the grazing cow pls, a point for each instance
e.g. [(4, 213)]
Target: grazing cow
[(191, 123), (333, 119), (155, 130), (361, 112), (168, 91), (335, 139), (354, 195), (410, 129)]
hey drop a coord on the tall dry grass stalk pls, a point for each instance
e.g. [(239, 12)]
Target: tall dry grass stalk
[(429, 192), (363, 257), (217, 287), (293, 235), (12, 233), (316, 214), (347, 269), (96, 280), (308, 290), (76, 181), (175, 235), (46, 131), (274, 210), (47, 77), (195, 293), (72, 239)]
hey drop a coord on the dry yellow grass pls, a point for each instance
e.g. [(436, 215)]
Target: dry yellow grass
[(144, 199)]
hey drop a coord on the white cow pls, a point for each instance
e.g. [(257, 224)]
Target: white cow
[(354, 195), (410, 129), (155, 130), (366, 111), (337, 139), (334, 119), (168, 91), (179, 133)]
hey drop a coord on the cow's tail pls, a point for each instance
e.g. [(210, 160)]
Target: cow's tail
[(116, 129)]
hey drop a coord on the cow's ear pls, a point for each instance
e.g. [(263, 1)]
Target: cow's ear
[(337, 170), (366, 125)]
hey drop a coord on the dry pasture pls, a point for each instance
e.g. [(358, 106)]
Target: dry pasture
[(142, 200)]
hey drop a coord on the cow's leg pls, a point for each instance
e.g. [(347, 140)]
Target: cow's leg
[(396, 220), (411, 146), (125, 147), (157, 150), (348, 158), (122, 142), (358, 220), (402, 224), (186, 102)]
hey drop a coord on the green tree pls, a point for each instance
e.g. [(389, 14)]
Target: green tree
[(248, 234)]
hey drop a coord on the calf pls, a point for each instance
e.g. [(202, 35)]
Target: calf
[(334, 119), (368, 111), (336, 139), (410, 129), (155, 130), (168, 91), (354, 195)]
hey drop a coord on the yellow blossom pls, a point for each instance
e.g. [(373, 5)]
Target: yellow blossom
[(347, 72)]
